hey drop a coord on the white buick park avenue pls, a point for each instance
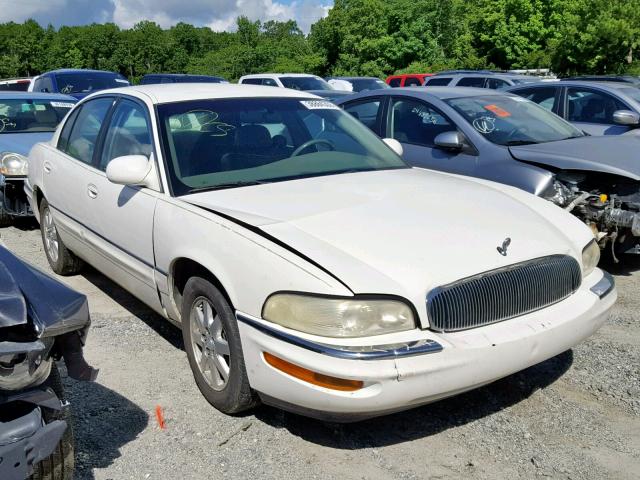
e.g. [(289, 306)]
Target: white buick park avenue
[(308, 266)]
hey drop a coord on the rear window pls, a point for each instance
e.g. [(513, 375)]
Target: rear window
[(70, 83), (394, 82), (438, 82)]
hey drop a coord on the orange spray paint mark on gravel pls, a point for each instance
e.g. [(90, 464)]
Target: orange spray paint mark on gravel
[(160, 417)]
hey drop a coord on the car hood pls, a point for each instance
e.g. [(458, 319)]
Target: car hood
[(400, 232), (22, 142), (618, 155), (26, 291)]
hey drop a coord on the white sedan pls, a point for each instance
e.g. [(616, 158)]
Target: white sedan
[(308, 266)]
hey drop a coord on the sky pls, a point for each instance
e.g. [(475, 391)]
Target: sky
[(217, 14)]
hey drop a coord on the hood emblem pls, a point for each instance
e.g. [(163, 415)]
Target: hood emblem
[(502, 250)]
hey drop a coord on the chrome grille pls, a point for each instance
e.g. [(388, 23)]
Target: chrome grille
[(502, 294)]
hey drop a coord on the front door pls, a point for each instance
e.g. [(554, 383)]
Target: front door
[(121, 217), (416, 124)]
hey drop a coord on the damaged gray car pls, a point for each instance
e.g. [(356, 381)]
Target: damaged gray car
[(508, 139), (41, 321)]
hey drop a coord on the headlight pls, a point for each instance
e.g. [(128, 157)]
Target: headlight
[(338, 317), (13, 164), (590, 258)]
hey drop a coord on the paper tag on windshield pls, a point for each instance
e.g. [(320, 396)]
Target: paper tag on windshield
[(62, 105), (119, 80), (500, 112), (319, 105)]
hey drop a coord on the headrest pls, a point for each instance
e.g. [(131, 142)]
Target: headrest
[(252, 136)]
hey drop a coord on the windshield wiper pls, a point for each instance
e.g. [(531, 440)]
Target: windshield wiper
[(223, 186), (514, 143)]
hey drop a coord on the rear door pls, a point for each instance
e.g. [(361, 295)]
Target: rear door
[(592, 111), (67, 170), (416, 124)]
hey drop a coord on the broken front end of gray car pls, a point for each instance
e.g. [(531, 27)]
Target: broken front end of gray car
[(41, 321), (609, 204)]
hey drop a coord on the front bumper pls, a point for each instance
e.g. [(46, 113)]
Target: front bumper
[(403, 378), (25, 439), (13, 198)]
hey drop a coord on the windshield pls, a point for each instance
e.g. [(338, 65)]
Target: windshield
[(305, 83), (507, 120), (362, 84), (88, 82), (214, 144), (23, 115)]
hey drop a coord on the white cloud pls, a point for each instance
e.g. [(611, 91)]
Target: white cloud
[(217, 14)]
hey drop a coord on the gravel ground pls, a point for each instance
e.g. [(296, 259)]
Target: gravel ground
[(576, 416)]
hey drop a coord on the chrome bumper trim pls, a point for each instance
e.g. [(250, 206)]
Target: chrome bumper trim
[(604, 286), (373, 352)]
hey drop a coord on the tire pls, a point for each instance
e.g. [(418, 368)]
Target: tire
[(208, 347), (6, 220), (62, 260), (61, 463)]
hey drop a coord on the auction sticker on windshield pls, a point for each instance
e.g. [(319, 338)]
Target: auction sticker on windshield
[(61, 105), (319, 105), (500, 112)]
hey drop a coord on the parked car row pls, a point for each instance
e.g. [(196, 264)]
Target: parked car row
[(387, 273)]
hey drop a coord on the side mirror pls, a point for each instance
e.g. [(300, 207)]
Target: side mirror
[(394, 145), (626, 117), (132, 170), (452, 140)]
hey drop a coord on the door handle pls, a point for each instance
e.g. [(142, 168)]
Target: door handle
[(92, 190), (46, 167)]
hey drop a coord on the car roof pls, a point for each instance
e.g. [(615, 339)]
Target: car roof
[(79, 70), (9, 95), (353, 78), (578, 83), (178, 75), (259, 75), (442, 93), (172, 92)]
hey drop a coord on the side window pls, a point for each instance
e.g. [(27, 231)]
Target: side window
[(591, 106), (415, 122), (367, 112), (166, 80), (395, 82), (128, 133), (438, 82), (477, 82), (252, 81), (412, 82), (43, 84), (85, 130), (545, 97), (63, 140), (269, 82), (496, 83)]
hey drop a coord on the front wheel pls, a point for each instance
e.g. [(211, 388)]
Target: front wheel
[(60, 464), (212, 342), (6, 220), (62, 260)]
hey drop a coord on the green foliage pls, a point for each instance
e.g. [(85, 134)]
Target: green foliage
[(358, 37)]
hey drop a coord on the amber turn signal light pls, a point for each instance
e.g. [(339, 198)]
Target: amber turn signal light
[(312, 377)]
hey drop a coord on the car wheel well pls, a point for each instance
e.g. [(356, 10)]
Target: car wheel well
[(182, 270)]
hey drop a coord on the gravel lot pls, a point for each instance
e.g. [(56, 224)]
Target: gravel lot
[(576, 416)]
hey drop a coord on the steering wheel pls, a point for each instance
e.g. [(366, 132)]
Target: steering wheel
[(4, 121), (314, 141)]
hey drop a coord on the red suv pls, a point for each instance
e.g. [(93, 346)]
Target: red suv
[(407, 79)]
